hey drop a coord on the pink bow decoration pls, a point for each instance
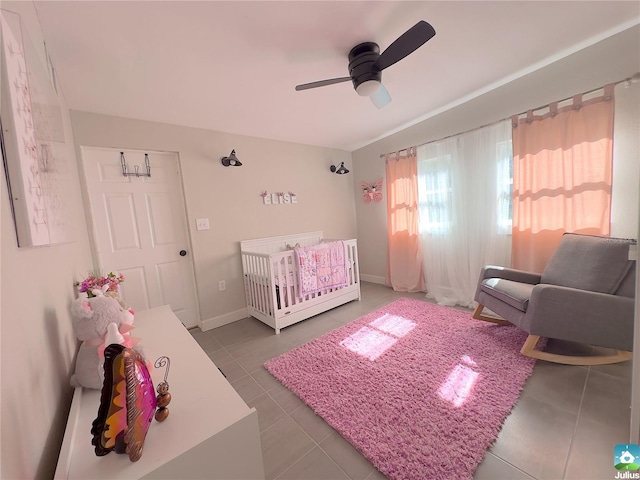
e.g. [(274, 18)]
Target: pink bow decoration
[(124, 339)]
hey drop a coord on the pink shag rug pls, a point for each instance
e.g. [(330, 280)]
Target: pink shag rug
[(419, 389)]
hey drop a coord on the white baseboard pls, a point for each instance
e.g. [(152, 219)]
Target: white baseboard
[(221, 320), (230, 317), (372, 279)]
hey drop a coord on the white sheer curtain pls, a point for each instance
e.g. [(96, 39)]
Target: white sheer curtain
[(464, 191)]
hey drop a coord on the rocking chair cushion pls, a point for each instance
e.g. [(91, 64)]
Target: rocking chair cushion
[(590, 263), (513, 293)]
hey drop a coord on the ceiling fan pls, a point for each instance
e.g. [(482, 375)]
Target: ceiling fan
[(366, 63)]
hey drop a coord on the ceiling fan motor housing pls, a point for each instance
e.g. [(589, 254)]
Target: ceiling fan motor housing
[(362, 58)]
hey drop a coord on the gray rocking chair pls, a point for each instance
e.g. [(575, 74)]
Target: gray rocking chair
[(585, 295)]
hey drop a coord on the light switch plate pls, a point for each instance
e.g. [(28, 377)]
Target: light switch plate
[(202, 224)]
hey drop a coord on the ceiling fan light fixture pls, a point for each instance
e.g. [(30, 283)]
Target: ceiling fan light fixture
[(368, 88)]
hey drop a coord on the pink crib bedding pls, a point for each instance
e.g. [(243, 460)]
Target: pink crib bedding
[(321, 267)]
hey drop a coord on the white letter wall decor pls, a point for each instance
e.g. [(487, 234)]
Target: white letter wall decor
[(278, 198)]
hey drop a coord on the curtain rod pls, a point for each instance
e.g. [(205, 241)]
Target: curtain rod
[(635, 78), (382, 155)]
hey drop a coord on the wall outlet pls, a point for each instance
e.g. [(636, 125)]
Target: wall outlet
[(222, 285), (202, 224)]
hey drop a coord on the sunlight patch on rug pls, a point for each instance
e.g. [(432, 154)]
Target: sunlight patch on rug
[(458, 385), (373, 342), (368, 342), (393, 324), (419, 389)]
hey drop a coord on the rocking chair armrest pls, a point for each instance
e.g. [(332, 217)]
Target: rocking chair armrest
[(522, 276), (580, 316)]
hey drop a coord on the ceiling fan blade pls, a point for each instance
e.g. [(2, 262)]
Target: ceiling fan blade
[(381, 98), (322, 83), (405, 44)]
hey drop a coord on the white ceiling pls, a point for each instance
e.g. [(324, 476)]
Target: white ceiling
[(233, 66)]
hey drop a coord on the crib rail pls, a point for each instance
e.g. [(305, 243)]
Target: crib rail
[(280, 243)]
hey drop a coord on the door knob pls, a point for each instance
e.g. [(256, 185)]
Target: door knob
[(183, 253)]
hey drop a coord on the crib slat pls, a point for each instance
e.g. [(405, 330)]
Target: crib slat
[(249, 279), (267, 304), (252, 276), (245, 269), (295, 288), (276, 281), (262, 285), (255, 283), (275, 293), (287, 263), (286, 284)]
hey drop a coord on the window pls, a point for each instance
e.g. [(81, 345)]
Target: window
[(434, 195), (435, 191), (504, 189), (465, 185)]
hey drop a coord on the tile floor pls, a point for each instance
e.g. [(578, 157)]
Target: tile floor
[(564, 426)]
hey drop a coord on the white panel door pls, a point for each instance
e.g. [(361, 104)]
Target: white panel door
[(141, 229)]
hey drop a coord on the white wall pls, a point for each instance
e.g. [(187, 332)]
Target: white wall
[(230, 196), (634, 434), (626, 161), (37, 341), (609, 61)]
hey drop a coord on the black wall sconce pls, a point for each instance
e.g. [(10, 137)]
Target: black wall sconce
[(231, 160), (340, 169)]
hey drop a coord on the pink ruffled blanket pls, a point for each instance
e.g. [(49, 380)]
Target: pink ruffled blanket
[(321, 267)]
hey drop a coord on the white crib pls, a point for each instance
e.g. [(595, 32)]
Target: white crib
[(271, 280)]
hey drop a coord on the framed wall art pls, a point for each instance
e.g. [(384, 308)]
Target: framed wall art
[(35, 155)]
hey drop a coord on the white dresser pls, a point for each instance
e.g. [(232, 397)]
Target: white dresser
[(210, 432)]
